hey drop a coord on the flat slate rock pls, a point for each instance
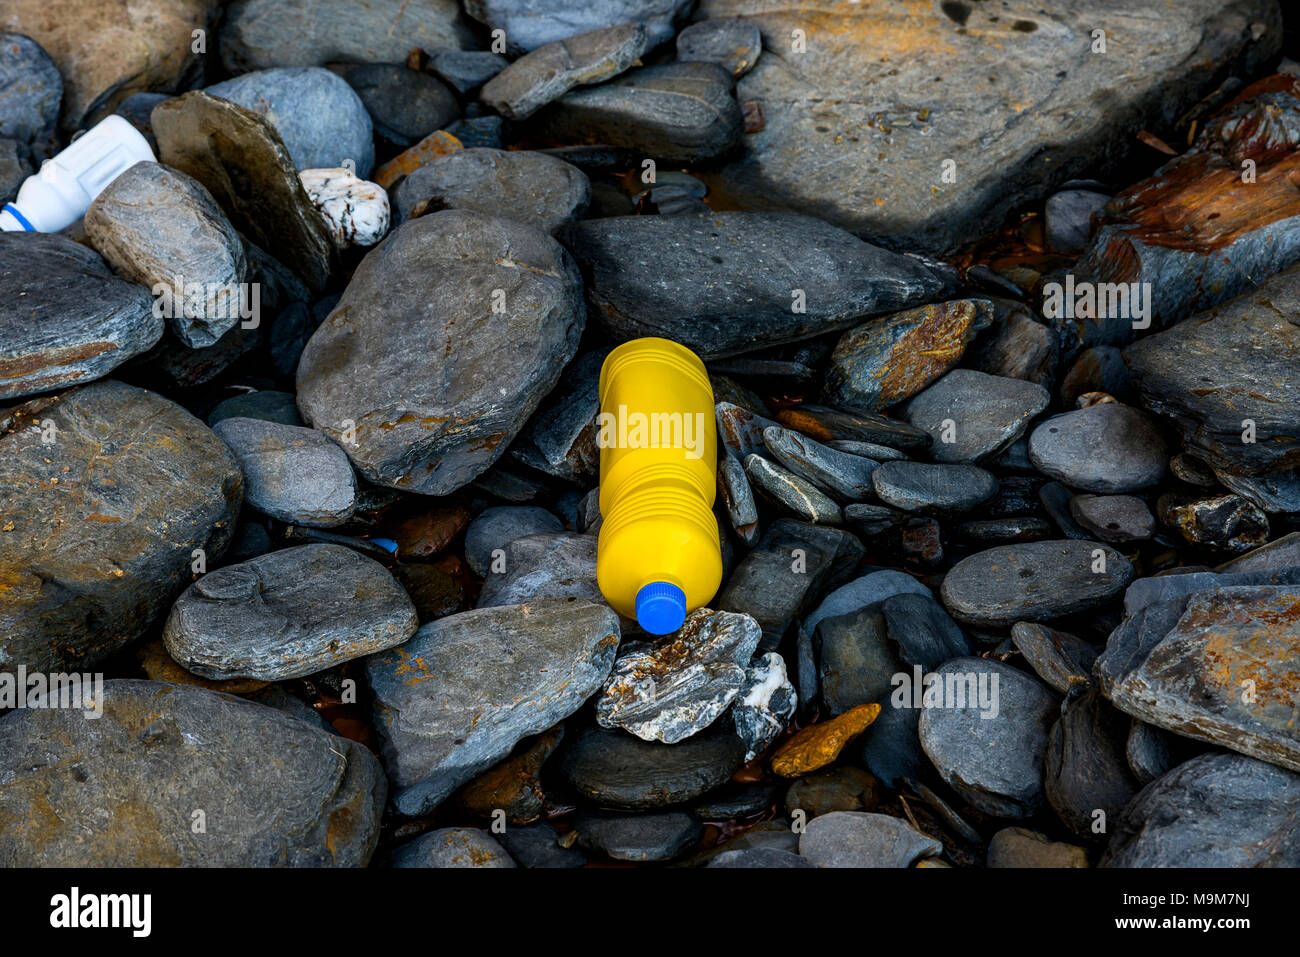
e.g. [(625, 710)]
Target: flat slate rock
[(430, 420), (680, 114), (534, 188), (288, 614), (933, 489), (640, 837), (614, 769), (453, 847), (1211, 374), (734, 45), (922, 630), (1114, 518), (1086, 765), (467, 688), (1215, 665), (826, 424), (258, 34), (405, 105), (722, 284), (1012, 80), (972, 416), (1057, 657), (141, 484), (1282, 552), (855, 660), (241, 160), (293, 474), (30, 90), (860, 839), (866, 590), (1253, 823), (844, 476), (1036, 581), (795, 495), (497, 527), (68, 318), (529, 24), (1108, 448), (884, 361), (265, 404), (759, 857), (676, 687), (537, 845), (990, 749), (550, 71), (121, 790)]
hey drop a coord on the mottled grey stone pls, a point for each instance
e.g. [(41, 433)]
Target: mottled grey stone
[(320, 118), (467, 688), (550, 71), (30, 89), (859, 839), (741, 430), (560, 438), (933, 489), (98, 528), (121, 791), (1252, 825), (724, 284), (525, 185), (268, 405), (529, 24), (737, 498), (734, 45), (405, 105), (674, 688), (1108, 448), (453, 847), (271, 33), (856, 660), (68, 319), (1067, 219), (870, 589), (465, 70), (922, 630), (640, 837), (973, 416), (1036, 581), (1283, 552), (1012, 79), (993, 760), (495, 528), (872, 520), (287, 614), (1216, 665), (291, 473), (615, 769), (763, 857), (432, 420), (536, 845)]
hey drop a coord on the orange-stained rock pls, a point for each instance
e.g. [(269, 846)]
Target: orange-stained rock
[(160, 666), (437, 143), (513, 786), (819, 744)]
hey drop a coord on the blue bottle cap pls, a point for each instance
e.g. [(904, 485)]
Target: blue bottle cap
[(660, 608)]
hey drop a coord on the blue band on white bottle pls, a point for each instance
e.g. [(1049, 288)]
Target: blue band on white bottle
[(12, 210)]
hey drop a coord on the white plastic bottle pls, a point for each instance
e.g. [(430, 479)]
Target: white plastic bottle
[(60, 194)]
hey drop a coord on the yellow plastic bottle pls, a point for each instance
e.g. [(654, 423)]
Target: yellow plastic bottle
[(658, 555)]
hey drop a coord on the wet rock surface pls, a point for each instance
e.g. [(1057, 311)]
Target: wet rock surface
[(290, 613), (306, 798)]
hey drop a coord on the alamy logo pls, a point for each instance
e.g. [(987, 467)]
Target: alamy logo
[(74, 909), (40, 691), (654, 430), (976, 690), (1098, 300), (181, 299)]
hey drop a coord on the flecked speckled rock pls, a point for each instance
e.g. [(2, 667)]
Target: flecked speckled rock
[(453, 847), (495, 528), (529, 24), (122, 790), (68, 319), (522, 667), (732, 44), (287, 614), (1108, 448), (431, 420), (1036, 581), (933, 489), (99, 527), (671, 689)]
